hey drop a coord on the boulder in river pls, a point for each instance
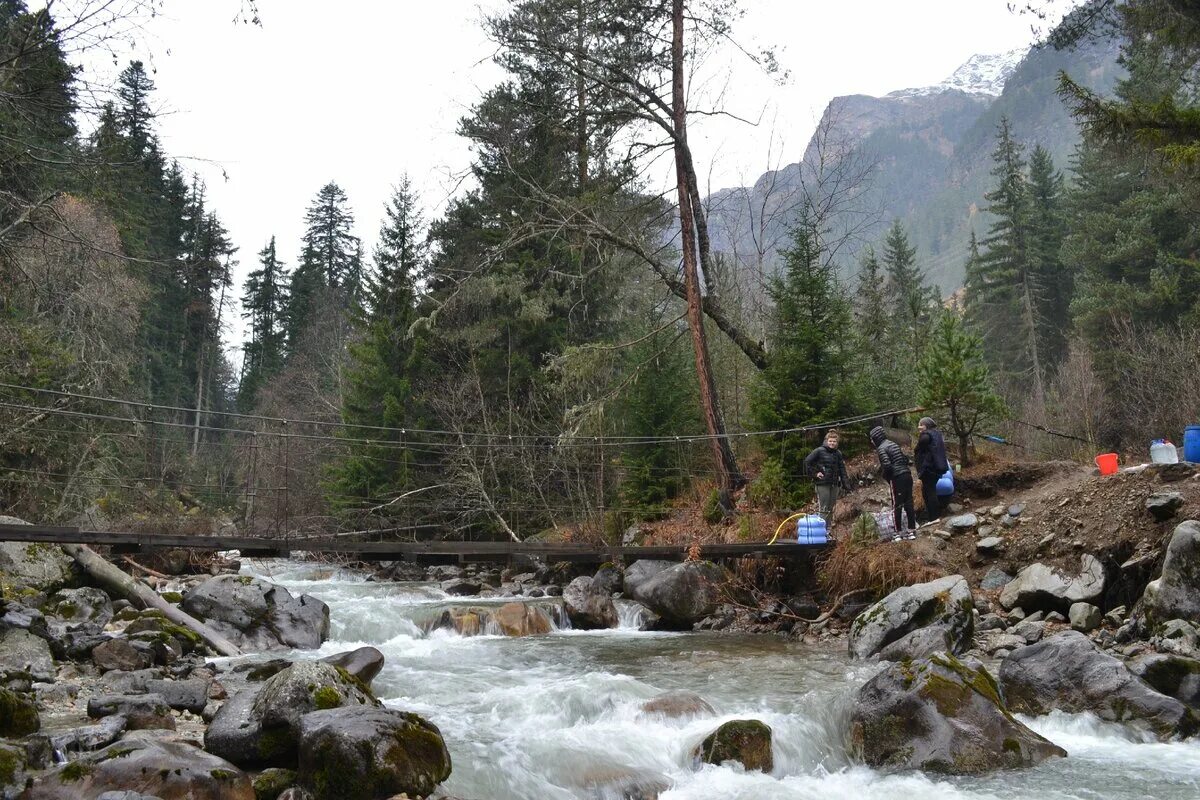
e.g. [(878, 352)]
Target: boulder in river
[(364, 754), (677, 704), (941, 715), (683, 594), (746, 741), (170, 769), (521, 619), (641, 571), (916, 621), (260, 724), (1176, 593), (589, 605), (1039, 587), (609, 578), (1068, 672), (86, 604), (257, 615), (18, 715), (363, 663), (141, 711), (34, 566), (1174, 675), (24, 655)]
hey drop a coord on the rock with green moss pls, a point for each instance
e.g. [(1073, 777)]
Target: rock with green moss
[(257, 615), (941, 715), (171, 769), (33, 566), (365, 754), (1069, 673), (24, 655), (12, 770), (272, 782), (18, 715), (86, 604), (1174, 675), (259, 726), (746, 741), (916, 621), (363, 663)]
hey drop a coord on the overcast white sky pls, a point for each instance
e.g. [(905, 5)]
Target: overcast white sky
[(360, 92)]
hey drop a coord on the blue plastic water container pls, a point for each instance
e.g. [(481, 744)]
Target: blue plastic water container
[(810, 529), (945, 484), (1191, 444)]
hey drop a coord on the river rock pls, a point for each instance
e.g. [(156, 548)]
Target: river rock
[(521, 619), (916, 620), (1068, 672), (746, 741), (682, 594), (141, 711), (994, 579), (90, 737), (1041, 587), (363, 663), (23, 654), (257, 615), (1164, 505), (121, 654), (1170, 674), (609, 578), (1085, 617), (677, 704), (941, 715), (963, 523), (171, 769), (271, 783), (988, 546), (12, 770), (460, 587), (365, 754), (589, 606), (85, 604), (18, 715), (1176, 594), (33, 565), (189, 695), (641, 571)]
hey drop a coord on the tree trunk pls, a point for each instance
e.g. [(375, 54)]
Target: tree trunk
[(729, 478), (119, 583)]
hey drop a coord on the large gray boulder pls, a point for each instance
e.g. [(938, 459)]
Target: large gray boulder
[(941, 715), (916, 621), (1039, 587), (1068, 672), (260, 724), (682, 594), (641, 571), (23, 654), (18, 715), (363, 663), (589, 605), (257, 615), (33, 565), (1174, 675), (171, 769), (1176, 593), (364, 754), (86, 604), (141, 711)]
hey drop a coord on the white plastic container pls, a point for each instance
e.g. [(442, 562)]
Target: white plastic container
[(1163, 452)]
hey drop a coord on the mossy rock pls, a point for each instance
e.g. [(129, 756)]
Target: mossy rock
[(271, 783), (746, 741), (18, 715), (12, 767), (173, 597)]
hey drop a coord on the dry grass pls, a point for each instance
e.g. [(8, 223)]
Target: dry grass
[(878, 567)]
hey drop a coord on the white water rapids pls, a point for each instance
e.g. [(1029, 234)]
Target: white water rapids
[(557, 717)]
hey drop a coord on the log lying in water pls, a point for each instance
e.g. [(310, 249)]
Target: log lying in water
[(123, 585)]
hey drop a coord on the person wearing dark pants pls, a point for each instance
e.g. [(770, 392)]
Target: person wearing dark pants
[(828, 470), (930, 453), (895, 468)]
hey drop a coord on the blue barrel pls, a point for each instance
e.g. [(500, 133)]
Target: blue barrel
[(945, 484), (1191, 444), (810, 529)]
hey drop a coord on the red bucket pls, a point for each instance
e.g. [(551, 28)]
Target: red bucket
[(1107, 463)]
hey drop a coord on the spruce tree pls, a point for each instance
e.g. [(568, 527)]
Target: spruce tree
[(385, 361), (873, 324), (1047, 229), (264, 304), (330, 265), (911, 302)]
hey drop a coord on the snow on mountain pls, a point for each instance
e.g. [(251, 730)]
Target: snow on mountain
[(981, 74)]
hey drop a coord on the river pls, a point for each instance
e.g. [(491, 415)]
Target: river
[(557, 717)]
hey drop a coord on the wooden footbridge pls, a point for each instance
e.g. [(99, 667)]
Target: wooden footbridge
[(424, 552)]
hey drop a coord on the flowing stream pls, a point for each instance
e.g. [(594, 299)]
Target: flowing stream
[(557, 717)]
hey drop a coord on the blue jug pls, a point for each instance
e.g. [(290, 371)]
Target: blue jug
[(810, 529), (945, 484)]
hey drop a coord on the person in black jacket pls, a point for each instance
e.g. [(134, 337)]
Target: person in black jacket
[(931, 465), (894, 467), (828, 470)]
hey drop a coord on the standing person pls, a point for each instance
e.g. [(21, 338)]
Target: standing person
[(931, 465), (894, 466), (828, 469)]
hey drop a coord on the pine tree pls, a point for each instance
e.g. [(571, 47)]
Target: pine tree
[(264, 304), (954, 375), (912, 303), (809, 377), (330, 263), (385, 361), (1047, 229), (873, 325)]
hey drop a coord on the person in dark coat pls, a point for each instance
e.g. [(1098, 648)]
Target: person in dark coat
[(930, 453), (828, 470), (895, 468)]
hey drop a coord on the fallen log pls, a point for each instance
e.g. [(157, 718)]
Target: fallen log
[(130, 588)]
